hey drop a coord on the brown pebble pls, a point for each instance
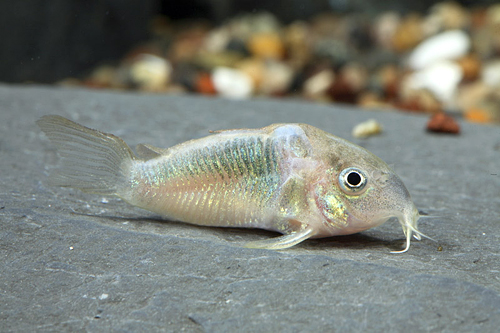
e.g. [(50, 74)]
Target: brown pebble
[(443, 123), (440, 248), (342, 92), (389, 77), (409, 33), (471, 67)]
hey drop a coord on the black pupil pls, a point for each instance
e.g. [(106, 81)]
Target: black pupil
[(354, 179)]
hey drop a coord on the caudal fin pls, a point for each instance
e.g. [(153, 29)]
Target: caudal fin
[(92, 161)]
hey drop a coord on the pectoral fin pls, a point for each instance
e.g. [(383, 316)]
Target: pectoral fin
[(282, 242)]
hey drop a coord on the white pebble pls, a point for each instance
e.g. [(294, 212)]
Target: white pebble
[(441, 79), (277, 78), (366, 129), (319, 83), (232, 83), (217, 40), (150, 72), (491, 73), (447, 45), (103, 296)]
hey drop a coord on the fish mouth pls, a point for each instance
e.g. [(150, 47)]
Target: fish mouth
[(408, 218), (409, 221)]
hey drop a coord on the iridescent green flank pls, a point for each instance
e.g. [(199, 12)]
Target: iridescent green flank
[(223, 179)]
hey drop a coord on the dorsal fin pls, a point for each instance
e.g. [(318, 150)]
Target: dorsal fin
[(148, 152)]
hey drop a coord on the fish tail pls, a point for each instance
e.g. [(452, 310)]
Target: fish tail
[(91, 161)]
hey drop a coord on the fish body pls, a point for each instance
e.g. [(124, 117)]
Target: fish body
[(291, 178)]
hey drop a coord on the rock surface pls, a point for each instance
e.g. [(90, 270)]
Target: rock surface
[(73, 261)]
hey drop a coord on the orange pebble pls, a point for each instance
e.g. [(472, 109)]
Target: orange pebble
[(266, 45), (204, 84), (477, 115)]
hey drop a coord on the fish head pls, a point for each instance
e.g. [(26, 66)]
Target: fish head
[(361, 191)]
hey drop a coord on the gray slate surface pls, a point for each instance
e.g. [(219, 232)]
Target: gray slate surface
[(72, 261)]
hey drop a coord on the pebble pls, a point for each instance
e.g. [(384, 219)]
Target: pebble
[(444, 46), (277, 78), (446, 16), (204, 84), (478, 115), (471, 67), (367, 129), (371, 100), (385, 28), (150, 72), (420, 100), (232, 83), (254, 68), (443, 123), (266, 46), (102, 77), (442, 79), (472, 95), (341, 91), (491, 73), (408, 34), (388, 78), (317, 85), (355, 75), (217, 40)]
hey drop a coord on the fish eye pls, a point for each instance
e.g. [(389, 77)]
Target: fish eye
[(352, 180)]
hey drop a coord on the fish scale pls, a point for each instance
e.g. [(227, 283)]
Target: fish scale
[(292, 178)]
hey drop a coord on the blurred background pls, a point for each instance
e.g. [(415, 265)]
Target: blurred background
[(419, 56)]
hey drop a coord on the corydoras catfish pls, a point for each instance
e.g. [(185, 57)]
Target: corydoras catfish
[(291, 178)]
